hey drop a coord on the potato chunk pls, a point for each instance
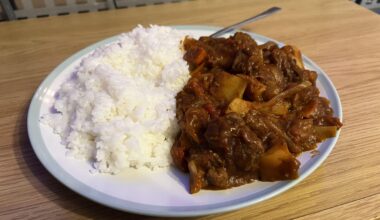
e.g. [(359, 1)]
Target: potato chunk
[(228, 87), (278, 163), (240, 106)]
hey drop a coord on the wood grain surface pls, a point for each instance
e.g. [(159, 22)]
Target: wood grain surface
[(341, 37)]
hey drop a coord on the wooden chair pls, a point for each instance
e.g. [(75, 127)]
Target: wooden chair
[(133, 3), (21, 9)]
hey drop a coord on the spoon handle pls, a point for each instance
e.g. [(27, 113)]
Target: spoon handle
[(249, 20)]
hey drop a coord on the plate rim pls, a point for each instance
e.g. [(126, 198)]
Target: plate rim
[(69, 181)]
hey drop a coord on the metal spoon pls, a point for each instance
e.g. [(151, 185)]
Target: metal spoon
[(249, 20)]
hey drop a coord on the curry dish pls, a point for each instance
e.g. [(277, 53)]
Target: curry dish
[(246, 113)]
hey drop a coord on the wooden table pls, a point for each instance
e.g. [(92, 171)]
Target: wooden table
[(341, 37)]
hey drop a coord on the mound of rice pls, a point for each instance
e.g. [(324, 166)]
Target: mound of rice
[(118, 110)]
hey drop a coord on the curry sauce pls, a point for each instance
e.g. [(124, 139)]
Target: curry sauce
[(246, 113)]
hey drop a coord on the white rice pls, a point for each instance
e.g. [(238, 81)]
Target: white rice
[(118, 110)]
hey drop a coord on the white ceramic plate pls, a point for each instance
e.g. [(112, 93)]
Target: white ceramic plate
[(162, 192)]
